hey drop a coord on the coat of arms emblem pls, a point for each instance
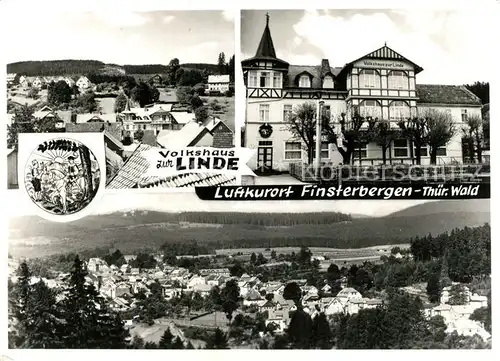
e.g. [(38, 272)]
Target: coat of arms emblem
[(62, 176)]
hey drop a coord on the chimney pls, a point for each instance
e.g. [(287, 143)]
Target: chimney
[(325, 66)]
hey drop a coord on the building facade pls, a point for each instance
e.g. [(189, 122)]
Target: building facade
[(382, 85)]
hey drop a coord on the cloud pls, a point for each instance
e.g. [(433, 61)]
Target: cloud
[(168, 19), (228, 15), (123, 19), (447, 44)]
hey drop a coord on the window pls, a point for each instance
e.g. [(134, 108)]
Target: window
[(287, 111), (264, 112), (441, 151), (267, 143), (327, 112), (398, 80), (369, 79), (400, 148), (424, 152), (305, 81), (324, 151), (464, 115), (360, 150), (265, 79), (328, 82), (277, 80), (293, 151), (399, 110), (370, 108)]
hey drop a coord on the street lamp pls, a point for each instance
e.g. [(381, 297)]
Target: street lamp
[(318, 137)]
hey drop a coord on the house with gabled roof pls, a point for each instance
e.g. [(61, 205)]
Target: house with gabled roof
[(381, 84)]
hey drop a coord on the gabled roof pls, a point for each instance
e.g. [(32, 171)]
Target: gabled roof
[(383, 53), (446, 94)]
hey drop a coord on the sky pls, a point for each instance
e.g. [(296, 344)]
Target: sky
[(122, 37), (450, 45)]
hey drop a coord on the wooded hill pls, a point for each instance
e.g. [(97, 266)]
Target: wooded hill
[(83, 67)]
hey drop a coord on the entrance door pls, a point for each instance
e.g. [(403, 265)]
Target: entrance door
[(265, 159)]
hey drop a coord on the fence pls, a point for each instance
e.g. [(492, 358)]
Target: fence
[(328, 173)]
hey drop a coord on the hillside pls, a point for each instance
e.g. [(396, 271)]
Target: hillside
[(82, 67), (448, 206), (151, 229)]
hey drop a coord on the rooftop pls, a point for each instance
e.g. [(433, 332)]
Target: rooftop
[(446, 94)]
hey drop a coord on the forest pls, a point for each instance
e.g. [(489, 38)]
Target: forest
[(78, 67)]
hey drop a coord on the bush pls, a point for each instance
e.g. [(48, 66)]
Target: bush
[(229, 93)]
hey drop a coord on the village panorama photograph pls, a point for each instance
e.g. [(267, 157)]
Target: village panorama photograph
[(405, 96), (168, 271), (144, 79)]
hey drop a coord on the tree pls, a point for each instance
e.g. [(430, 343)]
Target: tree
[(253, 259), (230, 295), (144, 94), (202, 114), (273, 254), (231, 69), (137, 342), (33, 93), (59, 93), (120, 102), (221, 63), (415, 130), (199, 89), (189, 77), (139, 134), (177, 344), (433, 287), (437, 328), (474, 136), (150, 345), (43, 326), (457, 295), (293, 292), (481, 90), (349, 133), (184, 94), (322, 335), (302, 124), (86, 103), (189, 346), (88, 321), (178, 75), (300, 330), (196, 102), (380, 132), (166, 340), (173, 66), (440, 130)]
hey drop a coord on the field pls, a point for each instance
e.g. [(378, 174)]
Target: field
[(147, 231), (107, 105)]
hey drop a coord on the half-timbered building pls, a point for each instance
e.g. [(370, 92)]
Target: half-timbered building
[(382, 84)]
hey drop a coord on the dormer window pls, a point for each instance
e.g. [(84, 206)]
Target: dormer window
[(328, 82), (304, 81)]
